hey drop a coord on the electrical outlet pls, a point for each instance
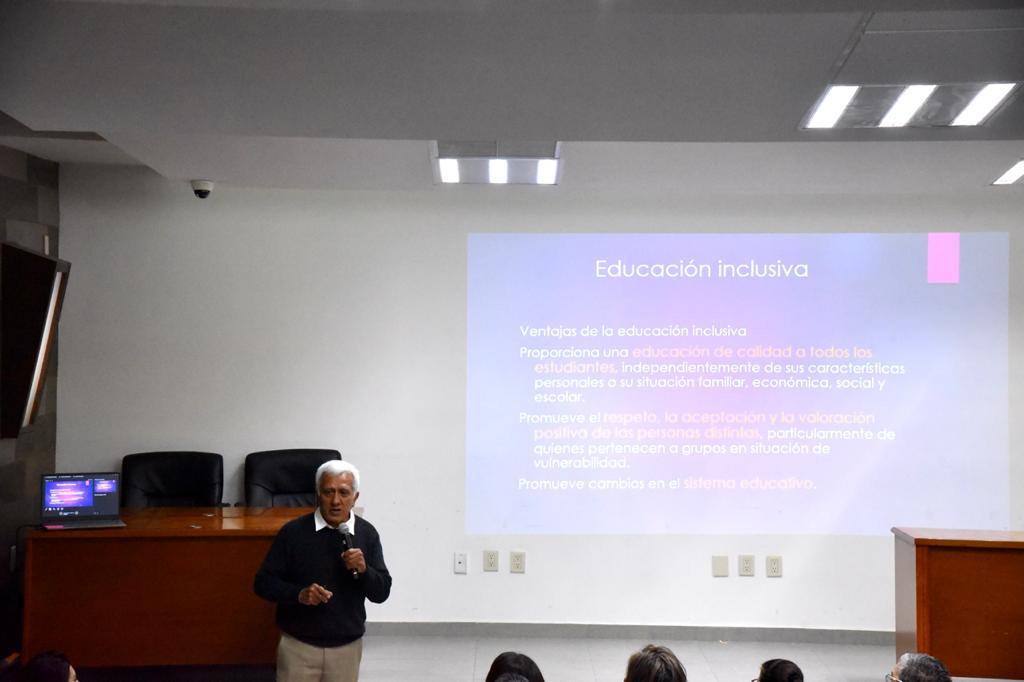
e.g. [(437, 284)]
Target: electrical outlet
[(773, 566), (517, 562), (745, 565), (490, 560), (719, 566), (460, 563)]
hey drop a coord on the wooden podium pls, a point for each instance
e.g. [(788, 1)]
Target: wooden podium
[(173, 588), (960, 598)]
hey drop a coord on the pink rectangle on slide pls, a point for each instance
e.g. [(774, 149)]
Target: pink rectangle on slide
[(943, 257)]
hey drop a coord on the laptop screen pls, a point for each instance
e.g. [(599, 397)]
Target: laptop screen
[(69, 497)]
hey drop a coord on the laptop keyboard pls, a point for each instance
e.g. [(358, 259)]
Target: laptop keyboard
[(74, 525)]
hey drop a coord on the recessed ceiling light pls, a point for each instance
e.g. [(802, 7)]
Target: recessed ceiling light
[(1011, 176), (547, 171), (832, 106), (987, 99), (911, 99), (449, 169), (490, 162), (940, 105), (497, 171)]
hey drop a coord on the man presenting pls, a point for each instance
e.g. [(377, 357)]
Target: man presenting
[(319, 570)]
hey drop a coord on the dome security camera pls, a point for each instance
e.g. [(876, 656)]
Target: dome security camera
[(202, 188)]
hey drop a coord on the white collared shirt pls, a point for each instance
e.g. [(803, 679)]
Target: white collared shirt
[(345, 526)]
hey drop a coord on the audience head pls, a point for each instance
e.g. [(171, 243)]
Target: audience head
[(515, 663), (655, 664), (510, 677), (49, 667), (780, 670), (914, 667)]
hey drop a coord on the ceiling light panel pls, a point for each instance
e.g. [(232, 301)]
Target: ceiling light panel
[(831, 107), (547, 171), (943, 105), (1014, 174), (866, 109), (906, 105), (482, 162), (983, 104), (449, 170), (497, 171)]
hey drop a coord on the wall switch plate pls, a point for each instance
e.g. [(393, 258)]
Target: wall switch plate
[(460, 563), (490, 560), (773, 566), (720, 566), (517, 562), (745, 565)]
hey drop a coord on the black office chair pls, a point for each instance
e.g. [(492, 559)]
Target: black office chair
[(172, 479), (283, 478)]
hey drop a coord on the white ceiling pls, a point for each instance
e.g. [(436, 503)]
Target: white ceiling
[(653, 93)]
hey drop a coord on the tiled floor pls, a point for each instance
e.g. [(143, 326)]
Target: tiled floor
[(467, 659), (388, 658), (421, 658)]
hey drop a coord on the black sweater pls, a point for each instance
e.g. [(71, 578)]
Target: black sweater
[(300, 556)]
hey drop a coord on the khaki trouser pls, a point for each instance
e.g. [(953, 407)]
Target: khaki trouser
[(300, 662)]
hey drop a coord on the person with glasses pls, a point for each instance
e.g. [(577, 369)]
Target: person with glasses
[(779, 670), (915, 667)]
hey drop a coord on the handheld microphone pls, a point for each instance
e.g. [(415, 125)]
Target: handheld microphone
[(350, 543)]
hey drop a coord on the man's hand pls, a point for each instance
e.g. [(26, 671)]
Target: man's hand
[(314, 594), (354, 560)]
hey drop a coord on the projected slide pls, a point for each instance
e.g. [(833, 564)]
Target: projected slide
[(736, 383), (68, 494)]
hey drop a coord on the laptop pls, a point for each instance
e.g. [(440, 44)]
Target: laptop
[(71, 501)]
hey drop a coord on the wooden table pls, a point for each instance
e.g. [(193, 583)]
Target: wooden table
[(960, 598), (173, 588)]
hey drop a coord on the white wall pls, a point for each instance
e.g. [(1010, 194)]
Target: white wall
[(263, 319)]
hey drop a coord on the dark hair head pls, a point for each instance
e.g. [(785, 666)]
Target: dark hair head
[(780, 670), (514, 662), (50, 666), (510, 677), (921, 668), (655, 664)]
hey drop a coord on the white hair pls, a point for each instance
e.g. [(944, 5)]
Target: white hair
[(336, 467)]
